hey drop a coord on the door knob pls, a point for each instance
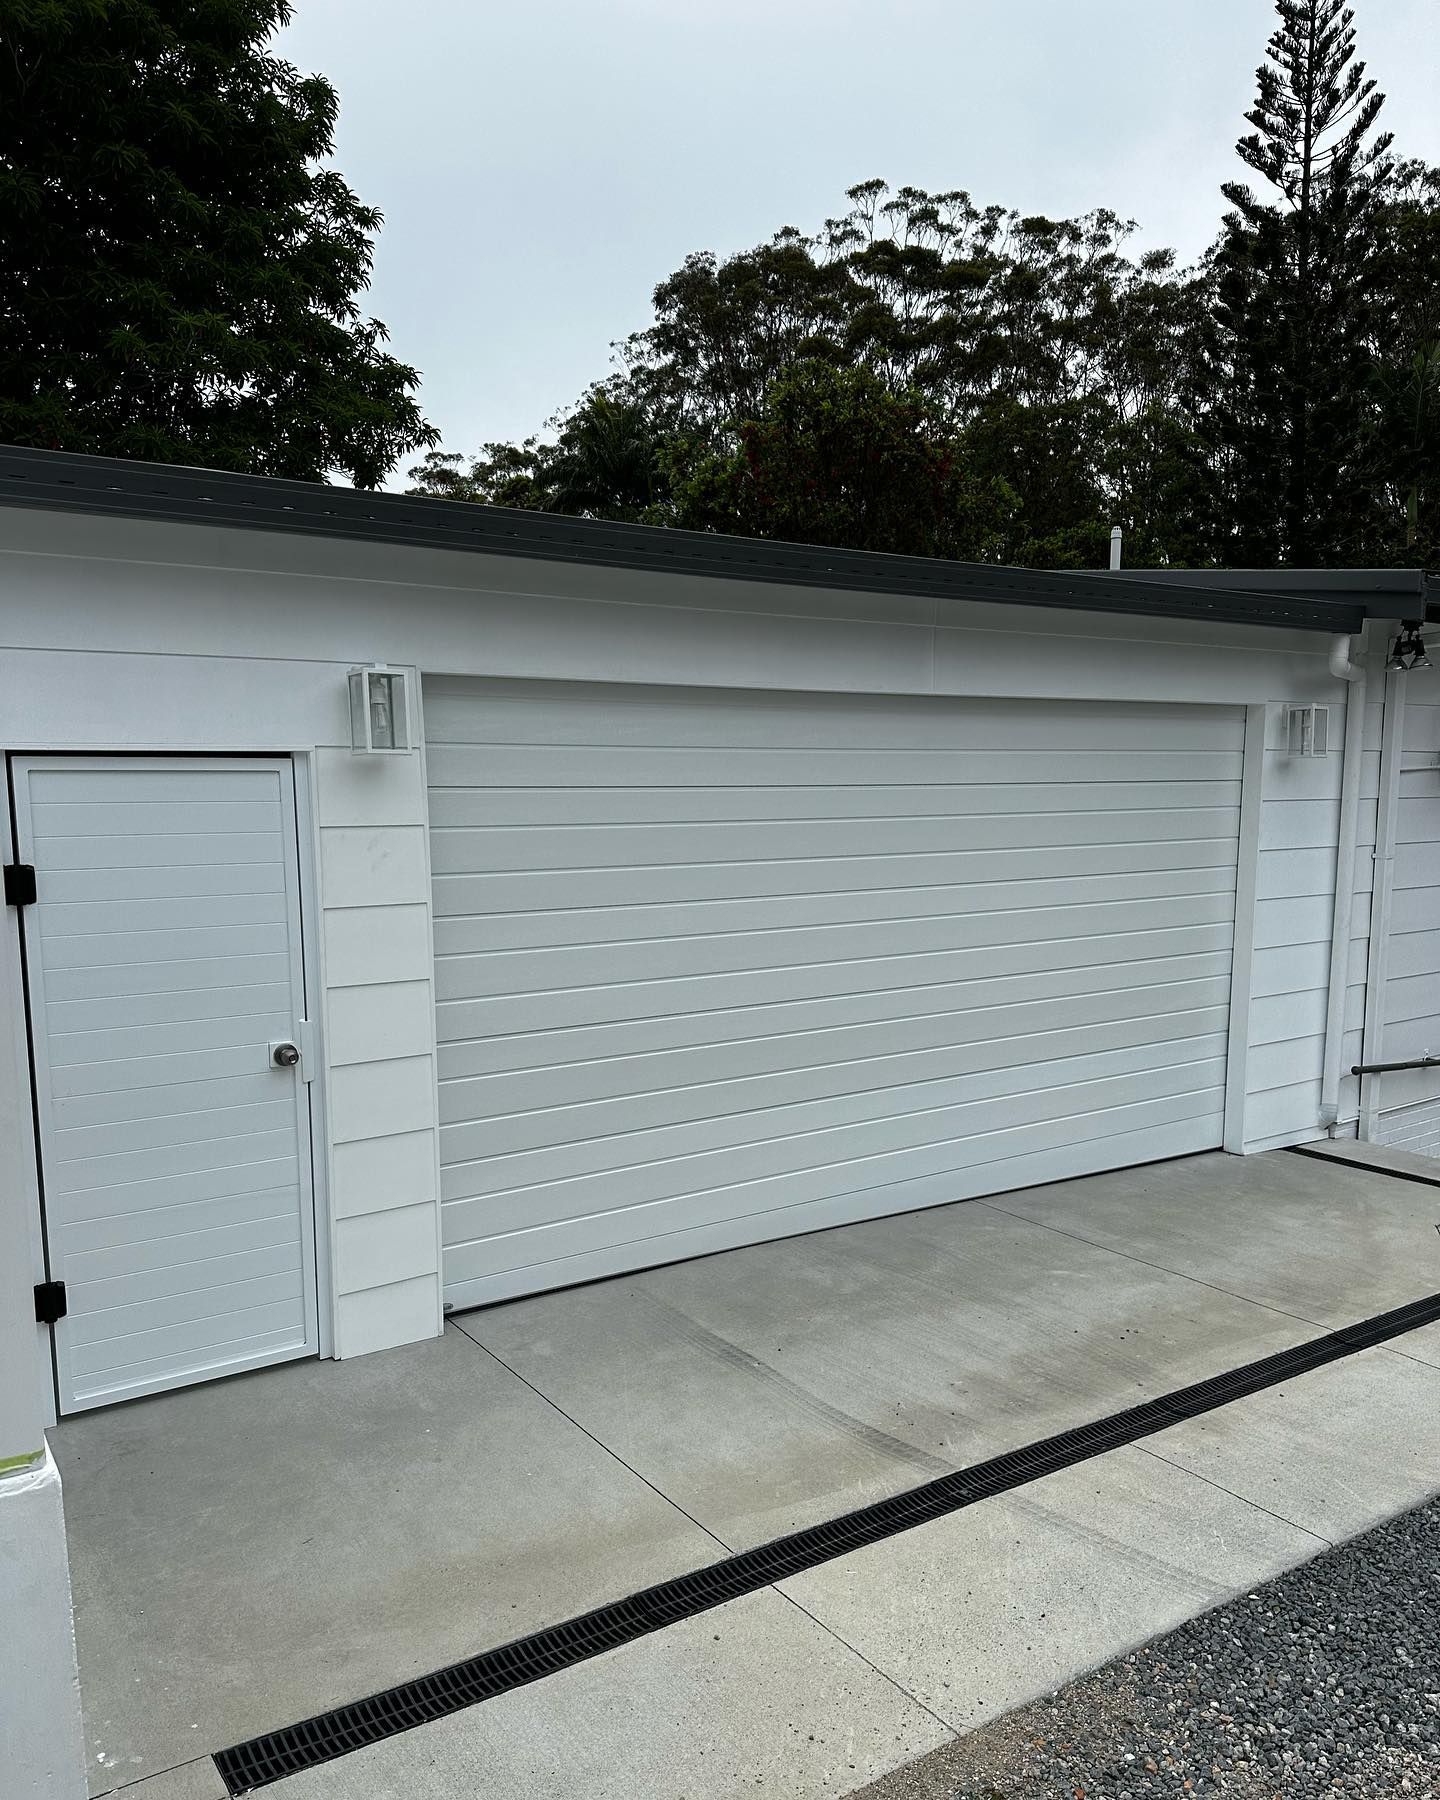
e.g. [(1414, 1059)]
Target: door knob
[(284, 1055)]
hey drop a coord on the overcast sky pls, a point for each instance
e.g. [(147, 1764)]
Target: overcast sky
[(541, 164)]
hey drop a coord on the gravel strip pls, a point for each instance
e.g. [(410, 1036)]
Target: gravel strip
[(1325, 1681)]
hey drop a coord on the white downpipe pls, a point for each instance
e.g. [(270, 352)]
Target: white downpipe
[(1343, 669), (1341, 666), (1382, 899)]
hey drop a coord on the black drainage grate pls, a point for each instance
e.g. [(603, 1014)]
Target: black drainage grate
[(280, 1753)]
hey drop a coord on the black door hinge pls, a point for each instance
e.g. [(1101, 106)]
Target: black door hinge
[(49, 1302), (19, 884)]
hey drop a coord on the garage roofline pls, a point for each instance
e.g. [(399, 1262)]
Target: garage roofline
[(1330, 600)]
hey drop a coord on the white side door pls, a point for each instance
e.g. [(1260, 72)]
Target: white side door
[(163, 960)]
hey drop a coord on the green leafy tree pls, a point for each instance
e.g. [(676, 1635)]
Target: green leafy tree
[(836, 457), (178, 270), (1401, 452), (1296, 305)]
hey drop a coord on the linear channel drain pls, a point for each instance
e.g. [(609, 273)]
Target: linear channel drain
[(277, 1754)]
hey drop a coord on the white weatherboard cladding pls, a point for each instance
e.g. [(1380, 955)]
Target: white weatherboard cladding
[(714, 967), (1294, 915), (1410, 1101), (164, 958)]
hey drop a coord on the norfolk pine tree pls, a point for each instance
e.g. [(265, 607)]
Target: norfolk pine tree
[(1294, 301)]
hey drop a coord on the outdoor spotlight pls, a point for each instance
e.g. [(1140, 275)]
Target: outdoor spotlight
[(379, 710), (1408, 652)]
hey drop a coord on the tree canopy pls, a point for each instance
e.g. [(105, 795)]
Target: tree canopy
[(179, 269), (932, 374)]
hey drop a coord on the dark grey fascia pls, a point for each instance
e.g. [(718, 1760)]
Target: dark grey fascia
[(1377, 591), (106, 486)]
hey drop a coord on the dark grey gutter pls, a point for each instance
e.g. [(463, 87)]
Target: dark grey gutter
[(1375, 590), (105, 486)]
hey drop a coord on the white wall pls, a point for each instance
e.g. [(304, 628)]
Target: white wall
[(42, 1753), (122, 635), (380, 1044), (42, 1744), (1409, 1012), (121, 683), (1295, 902)]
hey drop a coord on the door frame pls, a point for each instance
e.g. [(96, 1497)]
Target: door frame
[(299, 863)]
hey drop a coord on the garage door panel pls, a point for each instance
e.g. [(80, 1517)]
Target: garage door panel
[(637, 1221), (641, 847), (559, 927), (594, 1176), (185, 1203), (163, 883), (486, 1055), (257, 1228), (126, 1361), (184, 977), (511, 972), (491, 807), (154, 817), (232, 1093), (698, 953), (608, 766), (638, 1000), (550, 1121), (503, 712), (252, 1274), (216, 850), (155, 1166), (120, 1073), (1167, 1128), (561, 1083), (87, 950), (462, 895)]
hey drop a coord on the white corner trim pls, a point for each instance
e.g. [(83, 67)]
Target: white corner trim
[(1252, 795)]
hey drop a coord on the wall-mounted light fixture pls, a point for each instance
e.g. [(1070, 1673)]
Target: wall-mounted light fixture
[(1408, 652), (379, 710), (1307, 730)]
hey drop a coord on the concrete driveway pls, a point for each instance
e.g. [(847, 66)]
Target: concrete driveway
[(253, 1552)]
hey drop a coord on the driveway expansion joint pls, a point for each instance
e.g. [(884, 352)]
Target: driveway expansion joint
[(343, 1729)]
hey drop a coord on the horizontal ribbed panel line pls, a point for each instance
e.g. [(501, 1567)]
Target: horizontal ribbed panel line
[(102, 1187), (908, 818), (1063, 757), (854, 1062), (691, 1012), (761, 931), (848, 855), (214, 1358), (234, 1312), (771, 1212), (968, 1167), (276, 1754), (789, 1137), (903, 1018), (843, 962), (929, 887), (78, 1282)]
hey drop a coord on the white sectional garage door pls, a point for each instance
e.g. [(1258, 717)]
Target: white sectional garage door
[(717, 967)]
